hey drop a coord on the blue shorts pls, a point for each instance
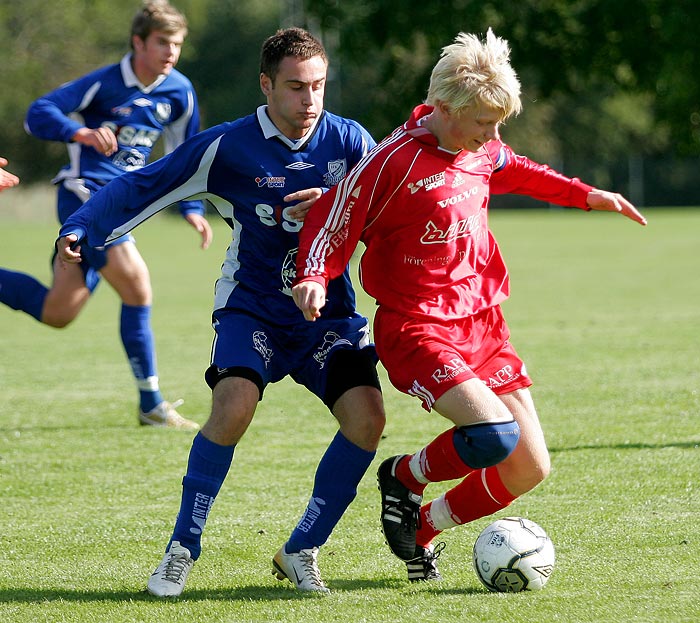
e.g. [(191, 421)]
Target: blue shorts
[(72, 193), (301, 350)]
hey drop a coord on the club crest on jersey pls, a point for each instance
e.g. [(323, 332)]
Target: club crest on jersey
[(330, 340), (270, 182), (260, 344), (336, 172), (163, 111), (428, 183)]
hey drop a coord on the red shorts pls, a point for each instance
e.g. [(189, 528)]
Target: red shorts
[(425, 359)]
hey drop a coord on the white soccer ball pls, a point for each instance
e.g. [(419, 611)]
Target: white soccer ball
[(513, 554)]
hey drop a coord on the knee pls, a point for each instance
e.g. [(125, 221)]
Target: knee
[(540, 470), (365, 427), (136, 294), (57, 318), (374, 422), (56, 323), (62, 306), (361, 421), (487, 444), (523, 475)]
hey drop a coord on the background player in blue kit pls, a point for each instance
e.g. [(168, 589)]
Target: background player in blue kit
[(262, 173), (111, 119)]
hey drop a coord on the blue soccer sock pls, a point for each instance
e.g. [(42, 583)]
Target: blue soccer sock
[(207, 467), (22, 292), (137, 337), (335, 486)]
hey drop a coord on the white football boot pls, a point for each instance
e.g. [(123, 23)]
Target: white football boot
[(166, 416), (301, 569), (168, 580)]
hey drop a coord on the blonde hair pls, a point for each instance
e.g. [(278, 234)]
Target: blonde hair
[(473, 73)]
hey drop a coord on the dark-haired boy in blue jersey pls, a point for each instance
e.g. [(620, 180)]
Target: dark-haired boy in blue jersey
[(262, 173), (111, 119)]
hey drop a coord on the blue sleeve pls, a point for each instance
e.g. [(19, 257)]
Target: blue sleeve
[(132, 198), (194, 122), (192, 207), (47, 117)]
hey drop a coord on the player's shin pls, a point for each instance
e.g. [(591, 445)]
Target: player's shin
[(137, 337), (206, 470), (480, 494), (335, 486)]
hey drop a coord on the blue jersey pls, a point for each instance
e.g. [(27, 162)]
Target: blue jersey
[(244, 169), (113, 97)]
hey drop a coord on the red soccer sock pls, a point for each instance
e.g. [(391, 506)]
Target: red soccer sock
[(437, 462), (480, 494)]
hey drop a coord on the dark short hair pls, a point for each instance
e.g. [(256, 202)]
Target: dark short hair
[(288, 42), (158, 15)]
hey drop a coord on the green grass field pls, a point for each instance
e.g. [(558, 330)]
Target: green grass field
[(607, 316)]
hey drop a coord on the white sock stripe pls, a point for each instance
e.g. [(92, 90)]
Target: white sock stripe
[(486, 486), (415, 464), (441, 514), (149, 384)]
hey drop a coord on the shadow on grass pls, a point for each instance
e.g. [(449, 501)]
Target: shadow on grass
[(132, 425), (80, 426), (242, 593), (684, 445)]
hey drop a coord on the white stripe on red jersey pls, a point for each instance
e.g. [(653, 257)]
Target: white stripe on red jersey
[(422, 213)]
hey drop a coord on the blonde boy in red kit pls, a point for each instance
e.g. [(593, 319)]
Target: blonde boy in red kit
[(419, 202)]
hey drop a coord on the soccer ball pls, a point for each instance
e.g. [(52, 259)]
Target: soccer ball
[(513, 554)]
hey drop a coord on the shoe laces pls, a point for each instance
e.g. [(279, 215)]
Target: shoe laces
[(175, 567), (308, 561), (430, 557)]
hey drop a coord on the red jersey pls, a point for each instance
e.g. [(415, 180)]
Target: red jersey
[(422, 213)]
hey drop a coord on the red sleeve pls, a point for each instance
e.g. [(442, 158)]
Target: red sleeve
[(521, 176), (329, 236)]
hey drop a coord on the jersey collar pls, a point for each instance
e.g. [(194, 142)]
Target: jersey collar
[(414, 127), (131, 80), (270, 130)]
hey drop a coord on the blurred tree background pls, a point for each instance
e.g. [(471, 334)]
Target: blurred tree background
[(609, 87)]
